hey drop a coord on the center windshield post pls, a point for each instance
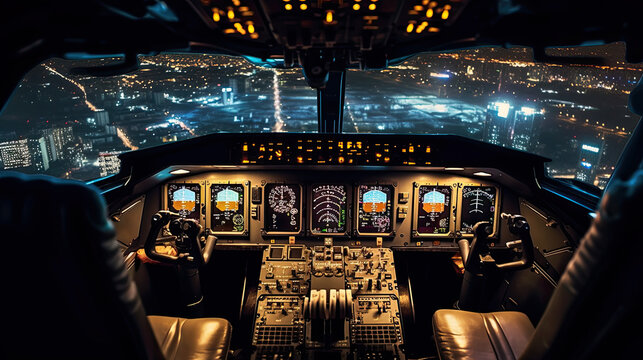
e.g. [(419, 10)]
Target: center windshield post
[(330, 103)]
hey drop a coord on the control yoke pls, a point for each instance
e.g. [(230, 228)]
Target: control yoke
[(477, 256), (187, 233)]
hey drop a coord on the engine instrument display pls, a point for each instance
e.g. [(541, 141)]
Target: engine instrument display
[(184, 199), (328, 209), (478, 204), (227, 209), (433, 209), (375, 209), (283, 208)]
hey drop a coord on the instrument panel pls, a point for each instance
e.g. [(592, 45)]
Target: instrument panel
[(403, 209)]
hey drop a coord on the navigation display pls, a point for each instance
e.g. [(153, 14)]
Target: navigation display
[(375, 209), (434, 209), (478, 204), (227, 209), (283, 208), (184, 199), (329, 209)]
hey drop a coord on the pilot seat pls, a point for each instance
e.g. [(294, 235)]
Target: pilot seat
[(66, 290), (595, 310)]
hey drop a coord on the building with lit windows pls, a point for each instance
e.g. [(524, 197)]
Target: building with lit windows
[(588, 160), (109, 163)]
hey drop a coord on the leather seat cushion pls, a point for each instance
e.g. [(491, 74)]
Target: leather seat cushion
[(469, 335), (178, 338)]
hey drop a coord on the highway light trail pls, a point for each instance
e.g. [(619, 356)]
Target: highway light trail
[(75, 83), (126, 141), (279, 122), (182, 125)]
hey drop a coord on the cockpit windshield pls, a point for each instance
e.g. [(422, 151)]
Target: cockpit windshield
[(63, 122)]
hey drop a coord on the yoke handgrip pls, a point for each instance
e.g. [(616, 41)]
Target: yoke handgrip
[(518, 226), (159, 220)]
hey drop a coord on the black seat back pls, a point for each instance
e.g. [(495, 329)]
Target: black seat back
[(596, 312), (66, 291)]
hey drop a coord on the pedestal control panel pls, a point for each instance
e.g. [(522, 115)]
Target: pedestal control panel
[(332, 300)]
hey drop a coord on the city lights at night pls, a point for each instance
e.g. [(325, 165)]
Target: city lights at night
[(75, 126)]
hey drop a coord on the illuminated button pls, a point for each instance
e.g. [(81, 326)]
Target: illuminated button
[(356, 7), (288, 6)]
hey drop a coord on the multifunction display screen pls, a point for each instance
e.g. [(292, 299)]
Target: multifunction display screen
[(328, 209), (283, 208), (478, 204), (375, 209), (434, 209), (184, 199), (227, 209)]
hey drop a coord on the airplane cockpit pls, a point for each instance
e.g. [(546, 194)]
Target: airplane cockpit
[(330, 179)]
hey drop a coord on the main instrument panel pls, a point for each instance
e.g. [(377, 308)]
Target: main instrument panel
[(401, 209)]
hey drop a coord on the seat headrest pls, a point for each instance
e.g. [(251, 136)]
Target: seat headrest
[(65, 279)]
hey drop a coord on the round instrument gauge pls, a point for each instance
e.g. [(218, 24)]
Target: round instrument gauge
[(282, 199)]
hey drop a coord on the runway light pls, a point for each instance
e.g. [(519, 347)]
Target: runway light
[(355, 7), (303, 6), (329, 17), (409, 27), (215, 15), (288, 7)]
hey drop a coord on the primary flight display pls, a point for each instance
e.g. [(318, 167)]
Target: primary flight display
[(184, 199), (375, 209), (227, 208), (434, 209)]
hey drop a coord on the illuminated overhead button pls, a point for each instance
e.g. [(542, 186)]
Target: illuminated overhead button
[(356, 7), (429, 13), (409, 27), (251, 28), (288, 6), (481, 173), (329, 17), (445, 14), (179, 172), (434, 29), (230, 14), (215, 15), (303, 6), (372, 7)]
